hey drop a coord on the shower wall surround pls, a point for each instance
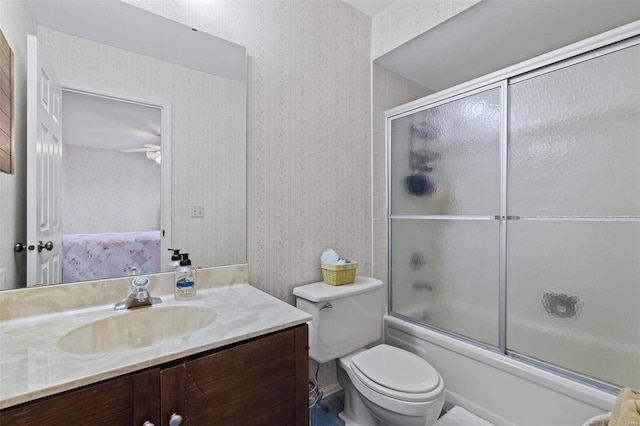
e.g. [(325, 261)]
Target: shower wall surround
[(529, 194)]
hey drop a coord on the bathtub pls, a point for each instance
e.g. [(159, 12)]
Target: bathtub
[(572, 342), (498, 388)]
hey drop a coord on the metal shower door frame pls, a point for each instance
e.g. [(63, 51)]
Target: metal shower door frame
[(608, 42)]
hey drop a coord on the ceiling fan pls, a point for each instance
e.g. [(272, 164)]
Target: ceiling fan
[(153, 152)]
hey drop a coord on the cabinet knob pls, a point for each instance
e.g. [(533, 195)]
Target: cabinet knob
[(175, 420), (148, 423)]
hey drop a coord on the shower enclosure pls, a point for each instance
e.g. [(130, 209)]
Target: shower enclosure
[(514, 214)]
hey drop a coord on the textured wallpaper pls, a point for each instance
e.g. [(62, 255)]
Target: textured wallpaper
[(208, 138), (308, 131), (404, 20), (94, 178), (16, 22), (309, 141), (308, 134)]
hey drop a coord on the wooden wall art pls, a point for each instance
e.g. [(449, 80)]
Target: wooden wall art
[(6, 105)]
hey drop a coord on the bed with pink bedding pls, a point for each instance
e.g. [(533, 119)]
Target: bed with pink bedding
[(100, 256)]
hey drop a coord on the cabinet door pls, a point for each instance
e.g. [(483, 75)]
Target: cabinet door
[(262, 382), (146, 397), (107, 403), (172, 393)]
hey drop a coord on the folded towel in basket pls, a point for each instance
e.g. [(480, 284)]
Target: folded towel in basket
[(626, 409)]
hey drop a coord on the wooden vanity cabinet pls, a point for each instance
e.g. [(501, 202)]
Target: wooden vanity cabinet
[(262, 381)]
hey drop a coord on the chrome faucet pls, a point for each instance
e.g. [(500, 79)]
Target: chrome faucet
[(139, 296)]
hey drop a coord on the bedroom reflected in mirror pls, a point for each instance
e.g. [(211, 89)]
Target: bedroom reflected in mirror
[(112, 151), (126, 148)]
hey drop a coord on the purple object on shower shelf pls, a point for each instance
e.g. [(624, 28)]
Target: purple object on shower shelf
[(419, 184)]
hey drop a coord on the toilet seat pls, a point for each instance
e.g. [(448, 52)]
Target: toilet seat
[(396, 373)]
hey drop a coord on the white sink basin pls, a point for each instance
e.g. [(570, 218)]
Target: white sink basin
[(136, 328)]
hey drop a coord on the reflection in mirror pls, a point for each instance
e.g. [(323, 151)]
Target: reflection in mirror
[(207, 104), (112, 151)]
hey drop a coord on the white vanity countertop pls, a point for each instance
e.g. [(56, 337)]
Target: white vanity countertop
[(32, 366)]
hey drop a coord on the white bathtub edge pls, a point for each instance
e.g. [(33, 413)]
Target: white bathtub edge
[(476, 409), (537, 385)]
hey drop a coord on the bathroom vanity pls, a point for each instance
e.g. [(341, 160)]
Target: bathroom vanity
[(261, 381), (242, 359)]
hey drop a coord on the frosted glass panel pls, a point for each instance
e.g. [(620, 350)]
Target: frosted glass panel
[(445, 160), (445, 273), (574, 146), (573, 296)]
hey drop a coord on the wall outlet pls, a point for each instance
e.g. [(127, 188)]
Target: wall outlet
[(197, 211)]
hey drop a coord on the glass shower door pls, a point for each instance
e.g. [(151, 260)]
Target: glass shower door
[(573, 263), (444, 202)]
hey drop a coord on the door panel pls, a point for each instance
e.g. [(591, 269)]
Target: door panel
[(44, 160)]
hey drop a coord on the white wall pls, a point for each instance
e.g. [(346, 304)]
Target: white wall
[(207, 134), (94, 178), (16, 22)]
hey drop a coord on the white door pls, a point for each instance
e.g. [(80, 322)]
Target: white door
[(44, 161)]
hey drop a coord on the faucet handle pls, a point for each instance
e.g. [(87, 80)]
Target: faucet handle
[(140, 285)]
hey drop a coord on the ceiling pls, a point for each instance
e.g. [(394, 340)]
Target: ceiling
[(369, 7), (106, 123), (495, 34), (142, 32)]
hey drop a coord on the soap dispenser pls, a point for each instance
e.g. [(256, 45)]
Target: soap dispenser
[(175, 259), (184, 278)]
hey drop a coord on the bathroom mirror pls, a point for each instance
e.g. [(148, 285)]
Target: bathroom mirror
[(115, 47)]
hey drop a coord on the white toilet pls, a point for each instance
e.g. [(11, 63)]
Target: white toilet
[(383, 385)]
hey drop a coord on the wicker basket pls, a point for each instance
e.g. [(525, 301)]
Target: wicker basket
[(339, 274)]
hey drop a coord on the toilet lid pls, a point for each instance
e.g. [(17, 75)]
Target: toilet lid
[(396, 369)]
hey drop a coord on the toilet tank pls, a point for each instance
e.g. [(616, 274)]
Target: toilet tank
[(345, 318)]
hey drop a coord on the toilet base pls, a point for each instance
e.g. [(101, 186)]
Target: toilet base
[(347, 420), (358, 411), (355, 413)]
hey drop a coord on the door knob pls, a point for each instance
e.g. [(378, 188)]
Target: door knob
[(47, 246), (19, 247), (175, 420), (148, 423)]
